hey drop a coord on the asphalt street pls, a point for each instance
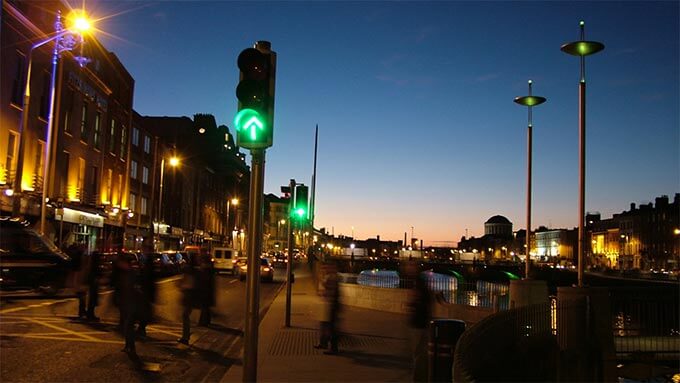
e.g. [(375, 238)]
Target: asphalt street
[(41, 339)]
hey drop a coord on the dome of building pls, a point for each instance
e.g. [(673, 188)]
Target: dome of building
[(498, 219), (498, 226)]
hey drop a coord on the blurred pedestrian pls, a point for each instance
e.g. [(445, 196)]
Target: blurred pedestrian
[(421, 315), (148, 297), (128, 296), (78, 277), (206, 287), (189, 286), (330, 291), (93, 275)]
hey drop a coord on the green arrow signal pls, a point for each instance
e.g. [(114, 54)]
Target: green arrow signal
[(248, 122), (253, 125)]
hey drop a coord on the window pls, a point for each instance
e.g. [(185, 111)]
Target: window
[(63, 180), (81, 177), (123, 143), (18, 82), (133, 169), (44, 97), (109, 185), (135, 136), (83, 124), (68, 112), (11, 156), (112, 137), (147, 144), (38, 170), (97, 133), (145, 175), (94, 183), (133, 202), (142, 208)]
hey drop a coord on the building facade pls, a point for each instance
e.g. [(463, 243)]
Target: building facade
[(88, 162)]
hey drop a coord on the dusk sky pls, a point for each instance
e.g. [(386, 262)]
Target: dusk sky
[(414, 102)]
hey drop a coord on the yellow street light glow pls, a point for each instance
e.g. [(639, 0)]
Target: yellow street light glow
[(234, 201), (174, 161), (79, 21)]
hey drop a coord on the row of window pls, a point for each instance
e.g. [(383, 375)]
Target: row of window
[(135, 140), (133, 172), (143, 204)]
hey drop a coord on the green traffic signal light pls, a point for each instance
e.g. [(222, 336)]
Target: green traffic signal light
[(300, 212), (250, 123), (255, 93)]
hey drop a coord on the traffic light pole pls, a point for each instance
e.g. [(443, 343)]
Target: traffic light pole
[(253, 273), (289, 266)]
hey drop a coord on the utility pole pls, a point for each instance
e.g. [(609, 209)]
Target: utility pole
[(291, 244)]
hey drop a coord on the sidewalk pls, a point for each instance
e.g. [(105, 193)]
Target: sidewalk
[(373, 345)]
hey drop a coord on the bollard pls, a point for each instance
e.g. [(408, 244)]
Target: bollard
[(443, 336)]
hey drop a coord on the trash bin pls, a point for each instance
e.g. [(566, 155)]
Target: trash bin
[(443, 336)]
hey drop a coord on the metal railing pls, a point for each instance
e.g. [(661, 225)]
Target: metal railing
[(646, 322), (478, 294)]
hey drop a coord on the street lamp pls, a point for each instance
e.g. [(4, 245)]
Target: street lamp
[(582, 48), (174, 162), (232, 201), (65, 39), (529, 101)]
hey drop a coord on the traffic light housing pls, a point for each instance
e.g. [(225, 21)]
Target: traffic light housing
[(254, 121), (301, 208)]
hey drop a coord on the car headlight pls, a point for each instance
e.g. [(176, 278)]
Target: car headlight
[(266, 269)]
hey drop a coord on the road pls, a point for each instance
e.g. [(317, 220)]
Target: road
[(43, 340)]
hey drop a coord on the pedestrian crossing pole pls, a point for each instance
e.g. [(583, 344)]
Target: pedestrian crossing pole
[(291, 244)]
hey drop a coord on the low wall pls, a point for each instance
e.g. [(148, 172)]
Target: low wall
[(376, 298), (398, 301)]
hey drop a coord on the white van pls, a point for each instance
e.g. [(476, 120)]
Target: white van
[(225, 259)]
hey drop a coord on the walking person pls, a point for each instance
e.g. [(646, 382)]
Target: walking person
[(148, 297), (190, 299), (128, 296), (93, 276), (78, 277), (206, 288), (330, 291)]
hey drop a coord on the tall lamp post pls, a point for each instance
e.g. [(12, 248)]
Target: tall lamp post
[(232, 201), (529, 101), (582, 48), (65, 39), (174, 162)]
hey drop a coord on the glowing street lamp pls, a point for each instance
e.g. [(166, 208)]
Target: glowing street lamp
[(174, 162), (233, 201), (65, 39), (582, 48), (529, 101)]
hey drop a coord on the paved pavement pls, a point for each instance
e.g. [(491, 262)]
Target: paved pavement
[(373, 346)]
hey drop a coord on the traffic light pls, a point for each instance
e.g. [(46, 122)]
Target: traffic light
[(254, 121), (300, 210)]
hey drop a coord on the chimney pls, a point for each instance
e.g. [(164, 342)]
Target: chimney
[(632, 206)]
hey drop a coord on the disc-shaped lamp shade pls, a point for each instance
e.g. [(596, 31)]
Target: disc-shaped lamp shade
[(582, 48), (530, 100)]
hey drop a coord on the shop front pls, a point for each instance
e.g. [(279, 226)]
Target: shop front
[(79, 227)]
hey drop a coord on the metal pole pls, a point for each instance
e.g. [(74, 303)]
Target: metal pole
[(582, 173), (50, 125), (160, 203), (528, 239), (253, 276), (289, 266), (228, 227)]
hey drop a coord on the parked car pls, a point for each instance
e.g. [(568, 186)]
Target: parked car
[(162, 264), (266, 271), (225, 259), (29, 260), (177, 259)]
